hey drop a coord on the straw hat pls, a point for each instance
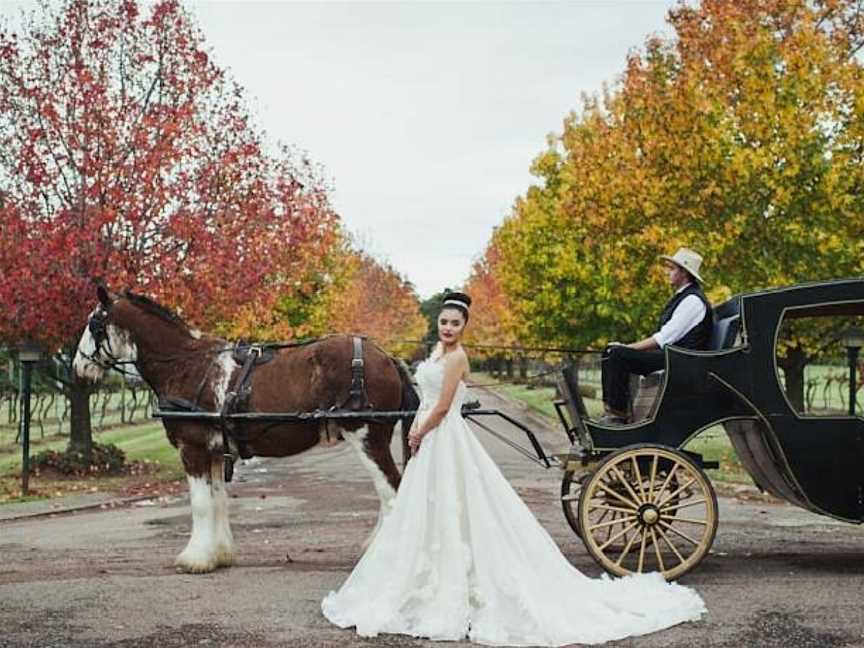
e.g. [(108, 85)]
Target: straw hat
[(687, 259)]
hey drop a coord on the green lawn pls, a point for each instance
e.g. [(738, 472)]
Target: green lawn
[(539, 399)]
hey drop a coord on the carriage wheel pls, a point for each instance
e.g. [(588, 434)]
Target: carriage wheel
[(571, 485), (571, 488), (648, 508)]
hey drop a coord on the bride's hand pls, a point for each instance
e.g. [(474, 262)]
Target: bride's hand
[(414, 442)]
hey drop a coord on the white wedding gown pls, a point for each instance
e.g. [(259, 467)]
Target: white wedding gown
[(460, 555)]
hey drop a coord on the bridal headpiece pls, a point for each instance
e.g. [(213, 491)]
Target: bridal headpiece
[(455, 302)]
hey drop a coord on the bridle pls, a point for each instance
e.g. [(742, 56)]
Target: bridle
[(103, 354)]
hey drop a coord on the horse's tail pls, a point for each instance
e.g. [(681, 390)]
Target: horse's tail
[(410, 402)]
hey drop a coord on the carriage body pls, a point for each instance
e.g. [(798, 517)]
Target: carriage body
[(811, 461)]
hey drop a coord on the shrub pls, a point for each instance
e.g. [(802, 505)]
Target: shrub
[(105, 459)]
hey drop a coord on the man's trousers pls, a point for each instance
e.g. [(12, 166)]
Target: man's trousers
[(616, 365)]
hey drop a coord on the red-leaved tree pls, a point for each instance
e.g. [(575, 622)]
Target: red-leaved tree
[(127, 155)]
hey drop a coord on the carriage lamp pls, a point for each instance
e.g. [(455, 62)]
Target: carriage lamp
[(29, 353), (853, 339)]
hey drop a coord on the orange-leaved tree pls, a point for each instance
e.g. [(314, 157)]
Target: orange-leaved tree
[(373, 299), (492, 323)]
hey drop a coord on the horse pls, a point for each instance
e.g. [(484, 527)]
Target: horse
[(184, 366)]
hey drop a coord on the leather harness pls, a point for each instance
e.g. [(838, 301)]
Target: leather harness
[(250, 356), (357, 399)]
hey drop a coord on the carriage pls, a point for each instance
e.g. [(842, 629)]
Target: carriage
[(641, 502)]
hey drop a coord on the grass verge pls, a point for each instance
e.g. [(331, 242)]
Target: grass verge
[(154, 467)]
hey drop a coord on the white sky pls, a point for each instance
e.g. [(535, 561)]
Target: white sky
[(426, 116)]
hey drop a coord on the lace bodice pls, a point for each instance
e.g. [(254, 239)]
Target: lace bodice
[(430, 379)]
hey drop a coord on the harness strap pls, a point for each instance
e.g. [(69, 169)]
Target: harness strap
[(230, 450), (357, 397)]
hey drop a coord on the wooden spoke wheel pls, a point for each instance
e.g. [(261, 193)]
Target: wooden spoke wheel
[(571, 486), (647, 508)]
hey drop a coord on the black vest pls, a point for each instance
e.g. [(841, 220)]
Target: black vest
[(700, 335)]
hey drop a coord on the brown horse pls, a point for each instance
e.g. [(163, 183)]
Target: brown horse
[(183, 366)]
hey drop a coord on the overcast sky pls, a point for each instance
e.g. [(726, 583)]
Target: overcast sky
[(426, 116)]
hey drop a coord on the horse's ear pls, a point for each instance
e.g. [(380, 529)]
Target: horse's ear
[(102, 294)]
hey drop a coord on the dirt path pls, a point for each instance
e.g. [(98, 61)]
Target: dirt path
[(778, 576)]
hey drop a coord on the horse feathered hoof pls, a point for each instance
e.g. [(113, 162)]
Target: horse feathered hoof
[(187, 566), (194, 569), (225, 558)]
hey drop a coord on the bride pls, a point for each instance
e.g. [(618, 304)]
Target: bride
[(460, 555)]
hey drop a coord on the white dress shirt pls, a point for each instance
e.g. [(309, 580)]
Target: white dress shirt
[(686, 315)]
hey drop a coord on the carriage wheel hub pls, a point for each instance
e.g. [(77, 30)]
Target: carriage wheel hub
[(649, 515)]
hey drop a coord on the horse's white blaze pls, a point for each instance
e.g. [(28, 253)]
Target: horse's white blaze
[(82, 364), (88, 361), (225, 367), (122, 346), (385, 491), (200, 553)]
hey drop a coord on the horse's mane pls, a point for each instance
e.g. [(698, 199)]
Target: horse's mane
[(154, 308)]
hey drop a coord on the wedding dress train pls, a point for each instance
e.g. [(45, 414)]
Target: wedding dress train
[(461, 555)]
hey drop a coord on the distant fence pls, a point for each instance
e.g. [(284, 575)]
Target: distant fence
[(114, 403), (540, 371)]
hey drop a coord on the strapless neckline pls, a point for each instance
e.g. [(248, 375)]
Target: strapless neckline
[(439, 365)]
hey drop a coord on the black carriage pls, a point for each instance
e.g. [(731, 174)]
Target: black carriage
[(640, 502)]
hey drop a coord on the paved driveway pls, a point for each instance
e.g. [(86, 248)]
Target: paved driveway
[(778, 576)]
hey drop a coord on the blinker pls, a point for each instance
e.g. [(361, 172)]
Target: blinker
[(98, 327)]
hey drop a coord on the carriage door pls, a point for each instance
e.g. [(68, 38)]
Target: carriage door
[(821, 380)]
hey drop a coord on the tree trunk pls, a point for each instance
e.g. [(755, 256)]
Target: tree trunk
[(523, 368), (81, 433), (793, 364)]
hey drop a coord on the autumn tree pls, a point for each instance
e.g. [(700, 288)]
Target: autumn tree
[(741, 137), (430, 308), (492, 323), (373, 299), (127, 155)]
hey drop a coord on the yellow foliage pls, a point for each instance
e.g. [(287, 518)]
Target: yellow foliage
[(740, 137)]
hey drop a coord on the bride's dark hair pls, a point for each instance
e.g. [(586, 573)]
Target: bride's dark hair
[(458, 300)]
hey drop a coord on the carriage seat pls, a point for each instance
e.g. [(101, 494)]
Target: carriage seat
[(723, 335), (724, 332)]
